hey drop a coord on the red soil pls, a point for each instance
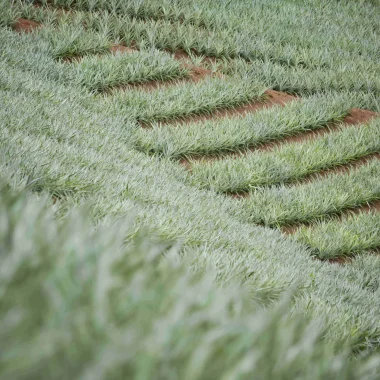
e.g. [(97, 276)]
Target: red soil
[(359, 116), (272, 98), (195, 73), (239, 194), (121, 49), (198, 73), (341, 260), (25, 26)]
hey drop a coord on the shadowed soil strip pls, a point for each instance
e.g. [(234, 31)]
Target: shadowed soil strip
[(150, 86), (344, 259), (121, 49), (195, 74), (23, 25), (355, 117), (340, 260), (181, 55)]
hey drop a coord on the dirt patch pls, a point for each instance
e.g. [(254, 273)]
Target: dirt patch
[(278, 97), (121, 49), (23, 25), (239, 195), (272, 98), (341, 260), (114, 49), (197, 73), (359, 116)]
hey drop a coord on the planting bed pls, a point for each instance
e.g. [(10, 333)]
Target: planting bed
[(251, 156)]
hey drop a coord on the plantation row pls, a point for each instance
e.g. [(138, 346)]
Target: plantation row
[(216, 137), (81, 151), (91, 274), (225, 30), (232, 134), (66, 133), (104, 29), (351, 235), (288, 162)]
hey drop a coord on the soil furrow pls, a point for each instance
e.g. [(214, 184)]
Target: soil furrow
[(23, 25)]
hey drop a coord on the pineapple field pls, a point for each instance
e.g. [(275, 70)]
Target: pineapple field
[(189, 190)]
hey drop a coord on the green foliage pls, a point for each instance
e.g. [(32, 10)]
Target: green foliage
[(287, 162), (232, 134), (58, 137), (289, 61), (79, 148), (352, 235), (232, 29), (70, 40), (341, 76), (135, 310), (102, 73), (8, 14), (278, 205), (187, 99)]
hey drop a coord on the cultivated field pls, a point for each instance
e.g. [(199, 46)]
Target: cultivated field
[(189, 190)]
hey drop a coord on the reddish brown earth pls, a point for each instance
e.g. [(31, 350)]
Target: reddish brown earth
[(359, 116), (121, 49), (239, 194), (272, 98), (341, 260), (25, 26), (195, 73), (372, 206)]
